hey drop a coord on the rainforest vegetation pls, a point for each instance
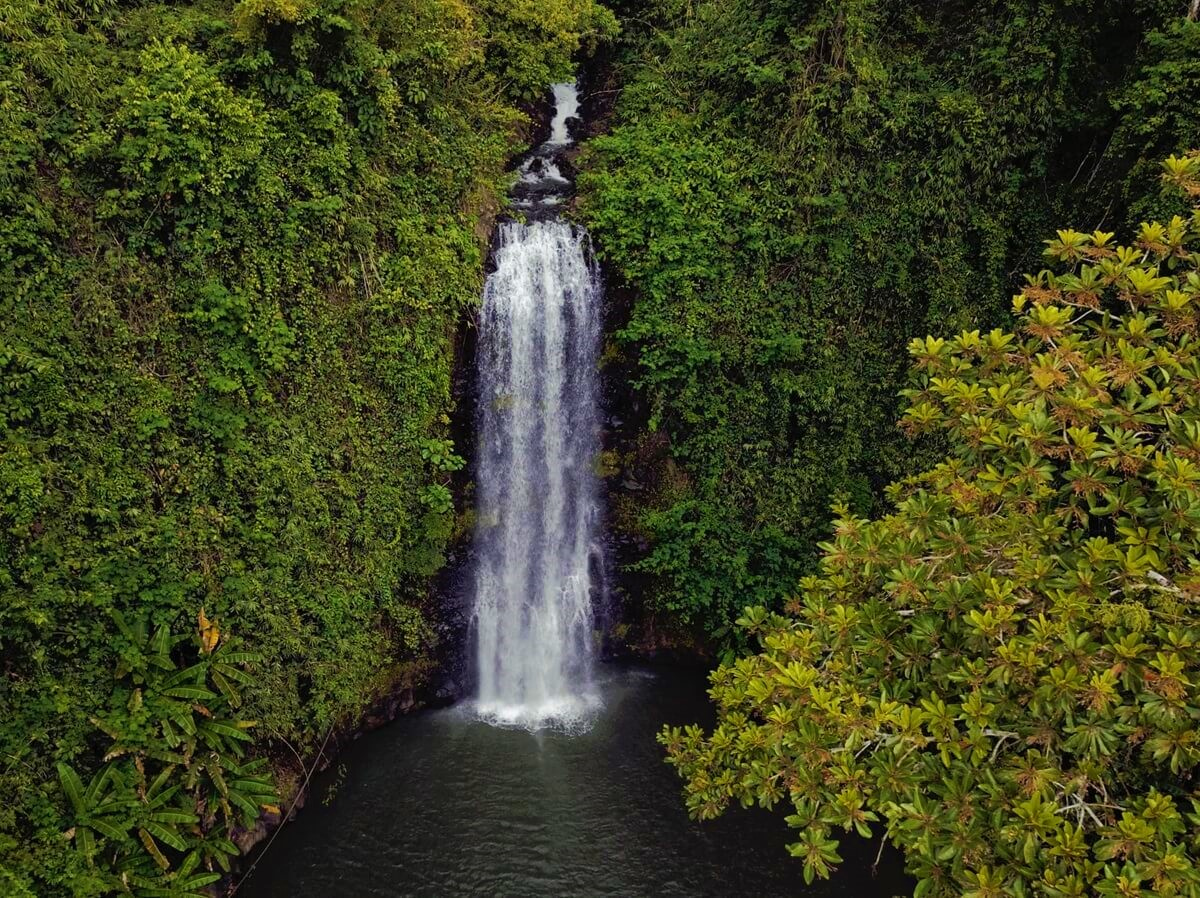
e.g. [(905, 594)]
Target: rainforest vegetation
[(235, 243), (794, 189), (238, 241)]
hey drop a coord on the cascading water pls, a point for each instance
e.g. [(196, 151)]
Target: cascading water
[(537, 556)]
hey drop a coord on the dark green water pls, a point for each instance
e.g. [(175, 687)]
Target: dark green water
[(441, 805)]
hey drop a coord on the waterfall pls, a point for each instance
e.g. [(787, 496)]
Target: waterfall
[(566, 105), (537, 559)]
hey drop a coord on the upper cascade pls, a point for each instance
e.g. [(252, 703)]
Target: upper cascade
[(542, 186), (566, 107)]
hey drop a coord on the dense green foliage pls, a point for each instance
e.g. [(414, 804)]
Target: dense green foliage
[(155, 818), (1003, 670), (235, 241), (795, 188)]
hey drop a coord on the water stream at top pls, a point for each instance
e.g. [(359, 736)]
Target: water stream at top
[(537, 552)]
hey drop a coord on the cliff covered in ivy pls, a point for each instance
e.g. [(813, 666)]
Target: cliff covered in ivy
[(793, 189), (236, 241)]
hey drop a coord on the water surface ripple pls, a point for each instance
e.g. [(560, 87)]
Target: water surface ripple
[(440, 804)]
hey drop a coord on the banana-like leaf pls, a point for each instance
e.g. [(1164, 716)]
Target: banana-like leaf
[(248, 808), (73, 786), (227, 689), (160, 643), (190, 693), (165, 835), (175, 818), (144, 882), (235, 673), (123, 626), (194, 674), (241, 657), (167, 757), (190, 863), (162, 661), (254, 786), (227, 729), (139, 869), (114, 804), (86, 841), (148, 888), (109, 829), (153, 849), (96, 786), (200, 880), (161, 780), (164, 797)]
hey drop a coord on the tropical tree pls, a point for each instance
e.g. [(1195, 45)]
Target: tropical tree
[(1002, 673)]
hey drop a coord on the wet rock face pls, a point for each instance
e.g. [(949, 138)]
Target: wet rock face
[(388, 709), (546, 176), (543, 183), (267, 822), (448, 691), (451, 679)]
